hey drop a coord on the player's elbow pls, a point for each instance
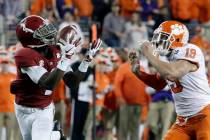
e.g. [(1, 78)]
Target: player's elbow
[(178, 70), (46, 85), (177, 73), (172, 74)]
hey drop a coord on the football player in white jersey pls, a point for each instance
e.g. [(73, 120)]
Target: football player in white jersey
[(184, 73)]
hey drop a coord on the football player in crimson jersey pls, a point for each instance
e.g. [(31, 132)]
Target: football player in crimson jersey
[(40, 64), (186, 76)]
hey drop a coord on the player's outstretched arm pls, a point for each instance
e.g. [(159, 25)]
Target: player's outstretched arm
[(93, 49), (50, 80), (73, 78), (152, 80), (171, 71)]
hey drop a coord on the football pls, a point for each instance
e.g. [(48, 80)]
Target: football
[(70, 35)]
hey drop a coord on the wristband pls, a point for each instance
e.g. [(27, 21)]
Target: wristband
[(63, 64), (84, 66)]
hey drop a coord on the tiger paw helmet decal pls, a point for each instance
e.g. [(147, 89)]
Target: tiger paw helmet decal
[(177, 29)]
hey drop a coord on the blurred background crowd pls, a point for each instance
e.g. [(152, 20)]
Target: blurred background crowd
[(110, 103)]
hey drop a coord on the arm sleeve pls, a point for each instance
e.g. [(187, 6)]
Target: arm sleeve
[(34, 72), (152, 80), (73, 77)]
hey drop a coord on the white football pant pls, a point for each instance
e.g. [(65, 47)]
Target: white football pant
[(35, 123)]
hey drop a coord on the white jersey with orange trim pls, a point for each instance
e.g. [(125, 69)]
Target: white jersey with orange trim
[(191, 92)]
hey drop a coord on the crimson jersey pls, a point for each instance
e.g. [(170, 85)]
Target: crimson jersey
[(27, 92)]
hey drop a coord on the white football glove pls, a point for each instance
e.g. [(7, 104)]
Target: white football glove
[(67, 51), (93, 49)]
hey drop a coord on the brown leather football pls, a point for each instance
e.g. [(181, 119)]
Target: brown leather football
[(69, 35), (66, 34)]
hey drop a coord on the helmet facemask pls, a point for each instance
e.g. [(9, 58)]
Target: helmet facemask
[(46, 34), (161, 42)]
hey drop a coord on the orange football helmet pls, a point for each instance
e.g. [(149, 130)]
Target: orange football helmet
[(170, 35)]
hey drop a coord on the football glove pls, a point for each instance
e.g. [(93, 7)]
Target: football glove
[(93, 49), (135, 64), (67, 51)]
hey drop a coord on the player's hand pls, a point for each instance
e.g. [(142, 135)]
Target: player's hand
[(67, 50), (133, 57), (146, 48), (93, 49)]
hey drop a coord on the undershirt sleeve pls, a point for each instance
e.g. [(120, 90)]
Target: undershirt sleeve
[(34, 72)]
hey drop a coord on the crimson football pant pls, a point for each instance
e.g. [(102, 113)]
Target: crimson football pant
[(36, 123)]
